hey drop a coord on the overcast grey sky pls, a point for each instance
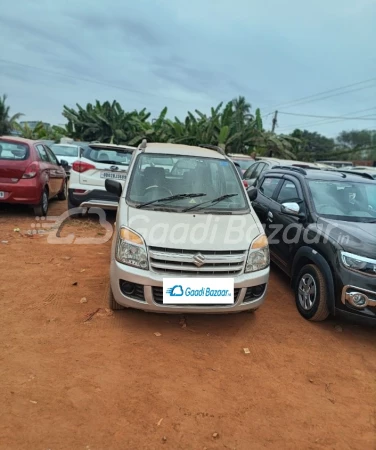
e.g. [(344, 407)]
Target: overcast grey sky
[(188, 55)]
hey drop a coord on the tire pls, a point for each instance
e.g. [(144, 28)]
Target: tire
[(311, 294), (42, 208), (72, 206), (112, 302), (63, 194)]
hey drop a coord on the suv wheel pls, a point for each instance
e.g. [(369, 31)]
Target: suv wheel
[(311, 294), (112, 302)]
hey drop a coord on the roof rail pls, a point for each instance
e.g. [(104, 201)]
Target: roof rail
[(292, 168), (213, 147), (143, 145), (352, 172)]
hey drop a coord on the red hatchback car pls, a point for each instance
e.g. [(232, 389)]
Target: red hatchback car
[(30, 174)]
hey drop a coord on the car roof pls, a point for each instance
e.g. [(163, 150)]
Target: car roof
[(183, 150), (324, 175), (286, 162), (110, 146), (20, 140), (64, 145), (239, 156)]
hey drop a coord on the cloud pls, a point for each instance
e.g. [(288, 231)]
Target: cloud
[(148, 54)]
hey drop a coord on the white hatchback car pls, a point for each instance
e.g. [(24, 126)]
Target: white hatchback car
[(95, 163), (186, 237)]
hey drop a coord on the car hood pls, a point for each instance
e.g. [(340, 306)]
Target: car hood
[(192, 231), (354, 237)]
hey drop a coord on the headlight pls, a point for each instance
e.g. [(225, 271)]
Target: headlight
[(131, 249), (359, 263), (258, 256)]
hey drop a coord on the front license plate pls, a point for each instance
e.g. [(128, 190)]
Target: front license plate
[(198, 291), (114, 176), (2, 194)]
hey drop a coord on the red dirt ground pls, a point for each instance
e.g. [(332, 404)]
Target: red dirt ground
[(110, 383)]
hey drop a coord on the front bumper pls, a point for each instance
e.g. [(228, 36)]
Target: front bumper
[(149, 302), (93, 198), (349, 282)]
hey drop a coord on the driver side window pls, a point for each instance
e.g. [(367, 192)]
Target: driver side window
[(288, 192)]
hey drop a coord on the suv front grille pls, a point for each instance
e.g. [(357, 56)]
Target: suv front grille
[(196, 262)]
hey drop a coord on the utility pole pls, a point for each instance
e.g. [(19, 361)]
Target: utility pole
[(274, 121)]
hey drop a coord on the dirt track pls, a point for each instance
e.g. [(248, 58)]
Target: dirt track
[(110, 383)]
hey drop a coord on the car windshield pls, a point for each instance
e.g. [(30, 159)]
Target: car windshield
[(153, 178), (65, 150), (344, 200), (12, 151), (108, 155), (244, 163)]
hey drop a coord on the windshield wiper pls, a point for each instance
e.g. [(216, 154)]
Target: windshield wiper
[(212, 202), (171, 198)]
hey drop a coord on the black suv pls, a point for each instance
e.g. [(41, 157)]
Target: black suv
[(321, 227)]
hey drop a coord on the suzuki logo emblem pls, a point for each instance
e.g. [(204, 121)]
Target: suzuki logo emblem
[(199, 260)]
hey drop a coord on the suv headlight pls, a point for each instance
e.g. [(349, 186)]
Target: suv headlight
[(359, 263), (258, 255), (131, 249)]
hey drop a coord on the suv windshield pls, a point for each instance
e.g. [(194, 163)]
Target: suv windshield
[(344, 200), (108, 155), (154, 178), (65, 150), (12, 151)]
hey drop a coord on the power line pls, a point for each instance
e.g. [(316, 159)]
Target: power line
[(324, 122), (89, 80), (319, 94), (328, 117)]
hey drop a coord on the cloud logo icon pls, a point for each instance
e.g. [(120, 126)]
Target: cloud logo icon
[(175, 291)]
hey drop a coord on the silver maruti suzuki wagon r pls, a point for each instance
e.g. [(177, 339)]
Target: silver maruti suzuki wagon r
[(186, 237)]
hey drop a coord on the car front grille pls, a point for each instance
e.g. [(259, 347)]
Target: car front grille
[(158, 297), (195, 262)]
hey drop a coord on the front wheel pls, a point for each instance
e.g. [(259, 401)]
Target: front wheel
[(63, 194), (112, 303), (311, 293), (42, 208)]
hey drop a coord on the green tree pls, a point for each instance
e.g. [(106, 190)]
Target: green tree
[(311, 145), (7, 122), (231, 127)]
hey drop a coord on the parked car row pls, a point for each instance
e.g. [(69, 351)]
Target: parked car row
[(317, 224)]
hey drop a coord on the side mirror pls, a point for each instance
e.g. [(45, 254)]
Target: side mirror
[(291, 208), (64, 163), (252, 193), (114, 187)]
